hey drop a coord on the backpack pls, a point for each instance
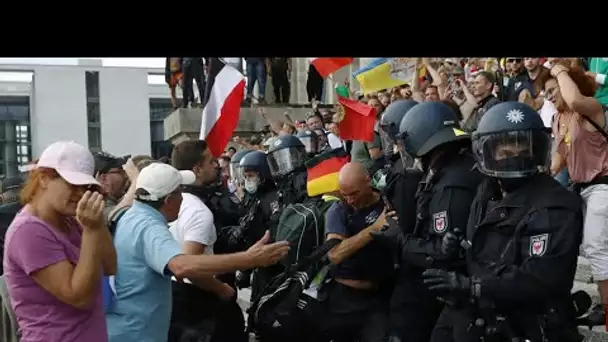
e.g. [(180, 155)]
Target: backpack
[(303, 226), (288, 307)]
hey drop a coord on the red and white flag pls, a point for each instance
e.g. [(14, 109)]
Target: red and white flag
[(222, 105), (328, 65)]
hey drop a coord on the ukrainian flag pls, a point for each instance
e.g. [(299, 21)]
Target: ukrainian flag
[(377, 76)]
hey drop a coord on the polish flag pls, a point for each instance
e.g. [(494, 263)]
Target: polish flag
[(328, 65), (222, 105)]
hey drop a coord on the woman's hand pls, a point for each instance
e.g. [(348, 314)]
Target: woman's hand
[(89, 211)]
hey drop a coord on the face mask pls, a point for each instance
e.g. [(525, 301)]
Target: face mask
[(512, 184), (251, 185)]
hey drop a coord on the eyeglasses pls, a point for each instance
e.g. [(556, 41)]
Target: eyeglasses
[(514, 60)]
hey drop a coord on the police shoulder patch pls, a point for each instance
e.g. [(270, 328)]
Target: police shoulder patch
[(539, 244), (440, 221)]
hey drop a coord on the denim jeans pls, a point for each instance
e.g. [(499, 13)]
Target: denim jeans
[(256, 71)]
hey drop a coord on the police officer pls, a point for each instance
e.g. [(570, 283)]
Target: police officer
[(310, 140), (236, 174), (286, 158), (430, 132), (523, 236), (261, 207)]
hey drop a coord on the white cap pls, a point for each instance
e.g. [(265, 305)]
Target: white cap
[(160, 180), (72, 161)]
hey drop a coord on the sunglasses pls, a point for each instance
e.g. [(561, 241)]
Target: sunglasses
[(514, 60)]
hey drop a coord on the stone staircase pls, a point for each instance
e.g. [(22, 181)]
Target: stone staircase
[(582, 281)]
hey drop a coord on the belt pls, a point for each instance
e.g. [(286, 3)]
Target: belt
[(595, 181)]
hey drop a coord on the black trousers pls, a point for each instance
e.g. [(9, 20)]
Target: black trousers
[(193, 72), (354, 315), (229, 319), (192, 314), (280, 85), (314, 84), (413, 309)]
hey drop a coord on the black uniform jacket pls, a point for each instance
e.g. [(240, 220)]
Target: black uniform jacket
[(525, 246)]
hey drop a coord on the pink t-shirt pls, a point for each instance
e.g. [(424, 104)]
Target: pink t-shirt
[(31, 245)]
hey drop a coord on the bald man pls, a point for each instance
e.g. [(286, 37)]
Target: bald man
[(358, 299)]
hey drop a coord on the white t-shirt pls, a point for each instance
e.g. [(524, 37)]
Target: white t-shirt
[(194, 223), (333, 140)]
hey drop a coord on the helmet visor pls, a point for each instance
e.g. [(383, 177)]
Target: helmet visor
[(310, 143), (286, 160), (236, 173), (513, 154)]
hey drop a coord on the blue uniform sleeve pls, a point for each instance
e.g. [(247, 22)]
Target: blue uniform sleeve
[(334, 221), (159, 247)]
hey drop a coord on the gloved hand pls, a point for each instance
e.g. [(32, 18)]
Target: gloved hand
[(243, 279), (447, 283), (451, 242), (390, 235)]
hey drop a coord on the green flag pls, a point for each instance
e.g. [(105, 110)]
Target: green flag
[(342, 91)]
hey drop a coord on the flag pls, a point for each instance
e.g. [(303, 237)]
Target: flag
[(222, 105), (357, 120), (385, 73), (342, 90), (422, 72), (323, 171), (328, 65)]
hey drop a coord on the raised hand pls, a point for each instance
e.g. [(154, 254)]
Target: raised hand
[(89, 211)]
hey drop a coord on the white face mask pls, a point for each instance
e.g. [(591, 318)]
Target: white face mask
[(251, 184)]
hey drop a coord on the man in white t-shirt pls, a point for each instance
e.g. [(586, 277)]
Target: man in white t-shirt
[(195, 231)]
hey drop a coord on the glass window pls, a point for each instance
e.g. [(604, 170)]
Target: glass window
[(93, 112), (94, 137), (92, 85), (160, 109)]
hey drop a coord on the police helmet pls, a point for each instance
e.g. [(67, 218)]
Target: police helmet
[(285, 155), (309, 139), (392, 116), (256, 161), (235, 168), (426, 126), (512, 141)]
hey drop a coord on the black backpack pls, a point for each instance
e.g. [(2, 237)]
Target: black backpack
[(115, 217), (284, 311), (303, 226)]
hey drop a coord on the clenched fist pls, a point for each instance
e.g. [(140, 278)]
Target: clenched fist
[(89, 211)]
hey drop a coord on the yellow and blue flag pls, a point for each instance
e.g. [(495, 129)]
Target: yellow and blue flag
[(385, 73)]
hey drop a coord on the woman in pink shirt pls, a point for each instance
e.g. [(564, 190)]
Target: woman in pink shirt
[(583, 148), (56, 250)]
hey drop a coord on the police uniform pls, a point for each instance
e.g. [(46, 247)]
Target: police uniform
[(430, 131), (523, 231), (262, 211), (286, 158)]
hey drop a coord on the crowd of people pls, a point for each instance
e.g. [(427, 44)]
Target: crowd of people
[(182, 72), (462, 220)]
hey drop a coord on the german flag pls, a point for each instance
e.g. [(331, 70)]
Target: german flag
[(323, 171)]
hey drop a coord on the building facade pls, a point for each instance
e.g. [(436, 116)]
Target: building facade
[(113, 109)]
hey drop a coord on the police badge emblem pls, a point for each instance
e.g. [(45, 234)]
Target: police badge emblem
[(440, 221), (538, 244)]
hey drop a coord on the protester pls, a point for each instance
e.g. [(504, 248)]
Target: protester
[(54, 249), (148, 256), (598, 69), (256, 72), (583, 149), (358, 299), (112, 178), (9, 207), (174, 77)]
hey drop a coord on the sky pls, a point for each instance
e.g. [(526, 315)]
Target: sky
[(114, 62)]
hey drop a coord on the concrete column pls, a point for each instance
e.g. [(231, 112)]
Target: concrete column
[(10, 150)]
